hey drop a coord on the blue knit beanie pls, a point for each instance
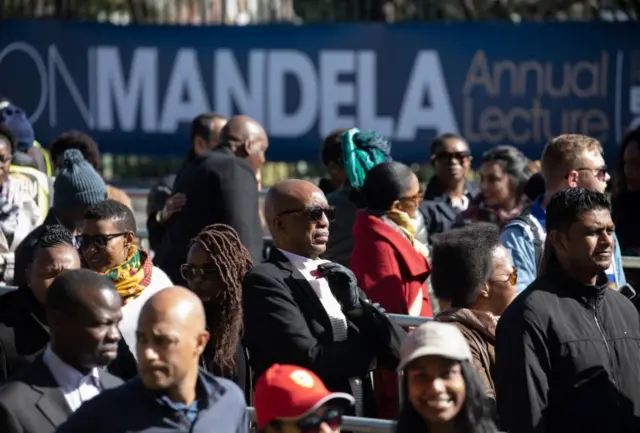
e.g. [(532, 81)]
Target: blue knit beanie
[(15, 119), (77, 184)]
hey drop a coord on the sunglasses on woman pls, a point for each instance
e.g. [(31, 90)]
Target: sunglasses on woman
[(512, 279), (99, 241), (190, 272), (314, 213), (311, 423)]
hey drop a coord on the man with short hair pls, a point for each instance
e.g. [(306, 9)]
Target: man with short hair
[(171, 394), (220, 188), (83, 311), (302, 310), (568, 161), (161, 202), (567, 347)]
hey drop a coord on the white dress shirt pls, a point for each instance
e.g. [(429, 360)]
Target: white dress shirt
[(76, 387), (339, 326)]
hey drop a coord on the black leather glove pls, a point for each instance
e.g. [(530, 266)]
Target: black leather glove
[(343, 284)]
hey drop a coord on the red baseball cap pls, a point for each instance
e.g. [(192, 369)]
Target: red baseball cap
[(289, 392)]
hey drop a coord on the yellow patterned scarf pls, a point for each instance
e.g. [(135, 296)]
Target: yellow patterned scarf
[(406, 226), (133, 276)]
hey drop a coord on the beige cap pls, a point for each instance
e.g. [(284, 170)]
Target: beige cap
[(434, 338)]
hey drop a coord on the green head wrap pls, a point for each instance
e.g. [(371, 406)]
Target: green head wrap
[(361, 151)]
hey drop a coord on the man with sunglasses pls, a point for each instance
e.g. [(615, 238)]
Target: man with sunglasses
[(302, 310), (568, 161), (448, 193), (292, 399)]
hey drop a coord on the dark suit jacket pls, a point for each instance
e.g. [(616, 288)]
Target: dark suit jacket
[(32, 402), (220, 188), (285, 323)]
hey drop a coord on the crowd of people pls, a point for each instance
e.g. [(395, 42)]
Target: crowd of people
[(531, 324)]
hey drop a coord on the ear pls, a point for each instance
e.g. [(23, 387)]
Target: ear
[(128, 238), (201, 342), (395, 205), (247, 147), (484, 291), (572, 178)]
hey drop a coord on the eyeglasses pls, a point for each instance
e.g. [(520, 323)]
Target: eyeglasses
[(311, 423), (598, 173), (512, 279), (415, 198), (190, 272), (98, 241), (449, 157), (314, 213)]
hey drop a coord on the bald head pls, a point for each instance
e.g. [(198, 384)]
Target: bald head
[(171, 337), (298, 216), (288, 195), (246, 138), (178, 305)]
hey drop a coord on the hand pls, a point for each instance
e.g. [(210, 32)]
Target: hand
[(343, 284), (174, 204)]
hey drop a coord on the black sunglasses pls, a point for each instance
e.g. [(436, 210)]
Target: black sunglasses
[(314, 213), (311, 423), (99, 241), (449, 157), (190, 272)]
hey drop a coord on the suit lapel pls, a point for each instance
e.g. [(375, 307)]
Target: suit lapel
[(51, 401), (109, 381), (295, 280)]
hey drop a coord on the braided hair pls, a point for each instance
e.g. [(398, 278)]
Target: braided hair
[(224, 316), (55, 236)]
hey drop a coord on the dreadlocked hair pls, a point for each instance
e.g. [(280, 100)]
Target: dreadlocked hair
[(224, 316)]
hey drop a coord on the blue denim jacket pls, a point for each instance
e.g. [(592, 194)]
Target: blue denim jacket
[(519, 242)]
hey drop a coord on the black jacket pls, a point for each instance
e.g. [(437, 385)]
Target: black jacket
[(32, 402), (156, 199), (285, 323), (568, 359), (220, 188), (439, 215)]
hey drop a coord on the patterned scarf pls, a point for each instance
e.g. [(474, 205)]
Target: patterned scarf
[(405, 225), (133, 276)]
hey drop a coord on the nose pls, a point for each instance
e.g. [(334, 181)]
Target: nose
[(324, 221), (113, 334), (436, 386), (148, 354)]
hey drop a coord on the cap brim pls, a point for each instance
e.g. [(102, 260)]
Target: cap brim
[(430, 351), (343, 396)]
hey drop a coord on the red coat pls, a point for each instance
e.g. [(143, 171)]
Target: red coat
[(389, 270), (392, 273)]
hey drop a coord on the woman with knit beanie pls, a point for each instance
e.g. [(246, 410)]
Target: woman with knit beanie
[(107, 246), (390, 263), (360, 152)]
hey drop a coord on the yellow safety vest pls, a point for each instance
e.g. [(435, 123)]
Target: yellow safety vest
[(47, 158)]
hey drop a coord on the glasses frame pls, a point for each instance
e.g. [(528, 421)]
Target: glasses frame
[(85, 245), (329, 212)]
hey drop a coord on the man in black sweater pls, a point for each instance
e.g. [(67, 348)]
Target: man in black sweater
[(567, 347)]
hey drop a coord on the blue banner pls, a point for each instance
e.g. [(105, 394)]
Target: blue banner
[(136, 88)]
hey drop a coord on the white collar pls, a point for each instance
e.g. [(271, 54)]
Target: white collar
[(294, 258), (65, 375)]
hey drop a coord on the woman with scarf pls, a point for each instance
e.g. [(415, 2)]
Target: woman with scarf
[(107, 245), (19, 214), (390, 264), (475, 274), (504, 174)]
